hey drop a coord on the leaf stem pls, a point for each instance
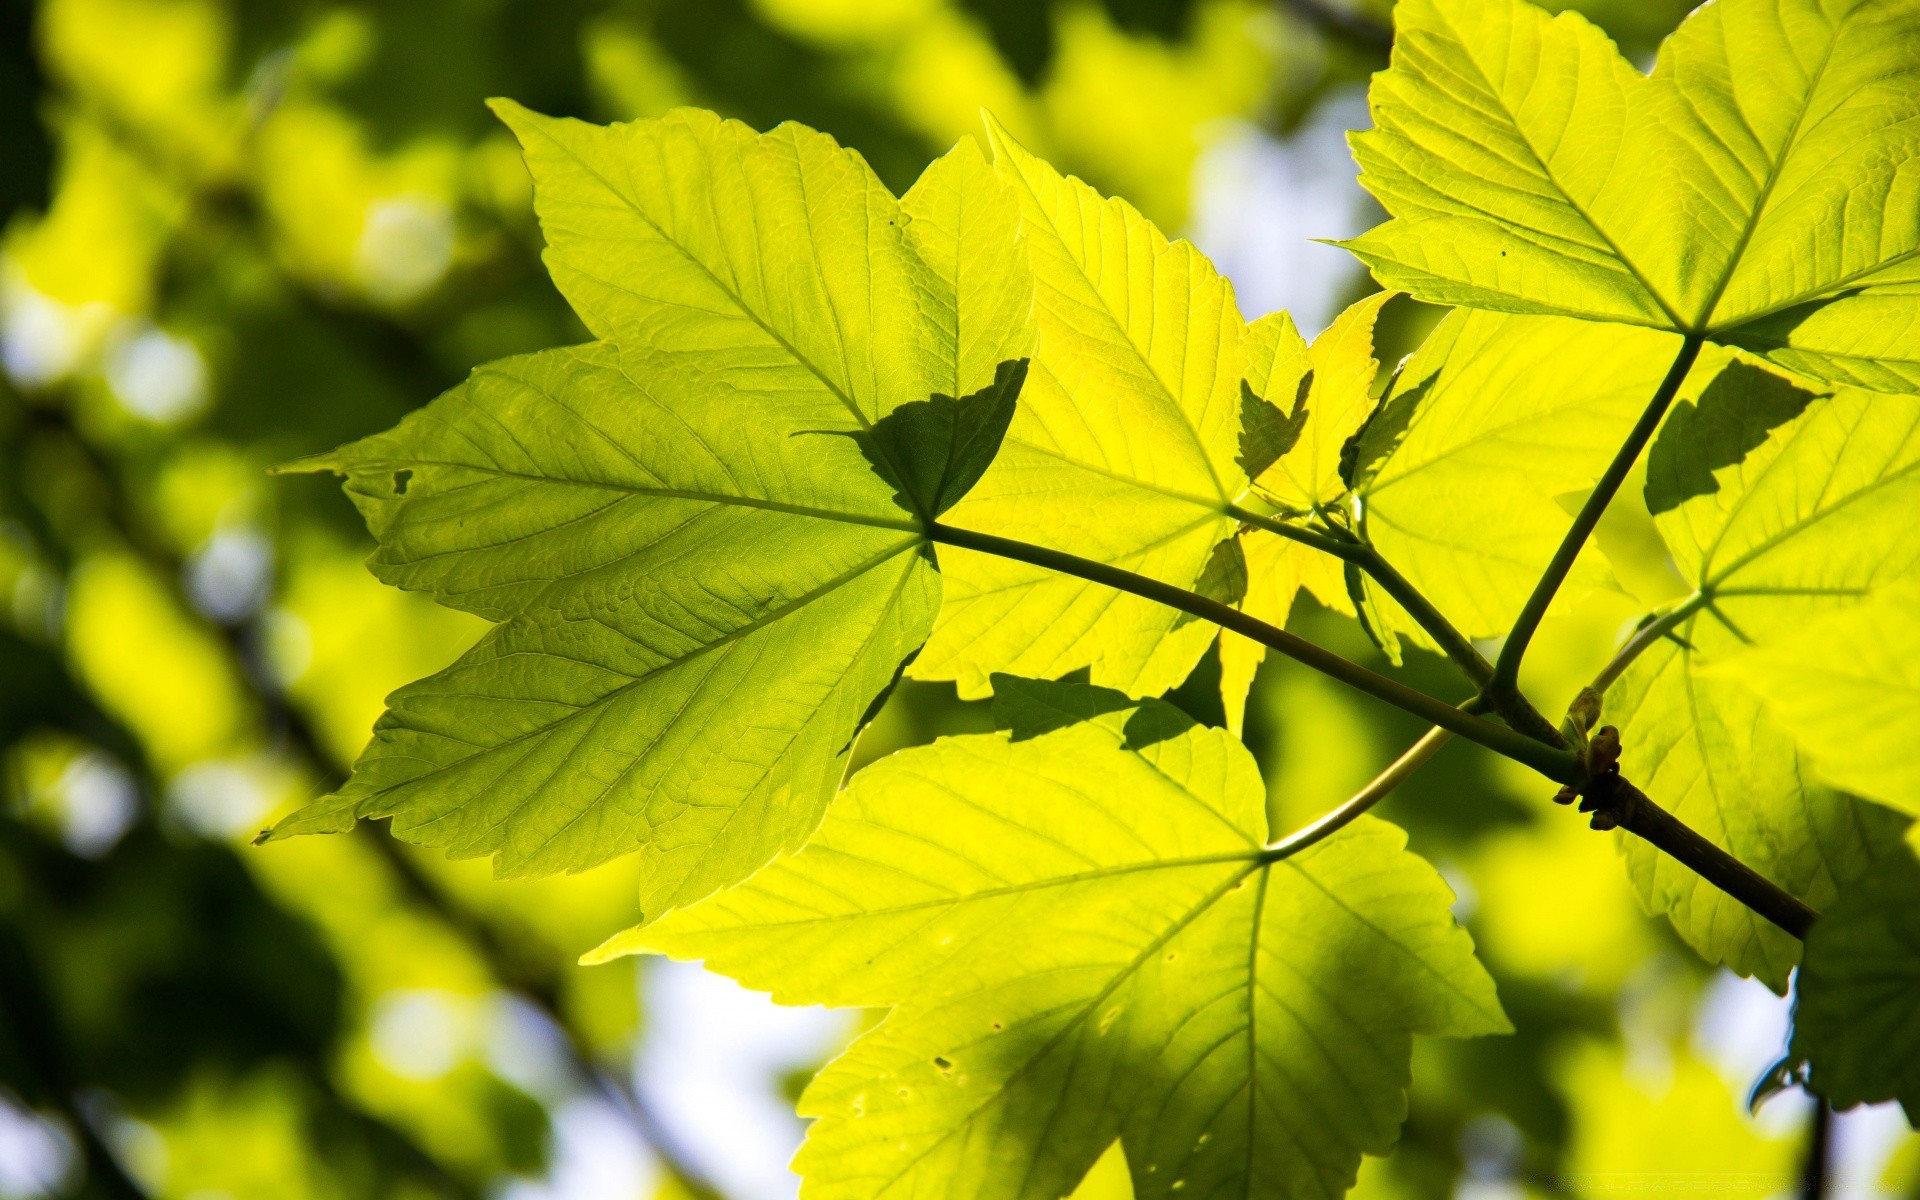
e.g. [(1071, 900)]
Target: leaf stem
[(1555, 764), (1644, 637), (1514, 709), (1349, 549), (1506, 669), (1376, 790)]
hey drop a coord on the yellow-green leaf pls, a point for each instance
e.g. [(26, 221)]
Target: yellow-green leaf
[(1123, 450), (1801, 526), (1083, 935), (1761, 188), (703, 538), (1847, 687), (1491, 420), (1340, 368)]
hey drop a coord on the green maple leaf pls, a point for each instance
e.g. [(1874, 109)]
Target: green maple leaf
[(1299, 406), (1856, 1016), (1847, 687), (1758, 189), (1124, 448), (1800, 526), (703, 538), (1084, 934), (1489, 423)]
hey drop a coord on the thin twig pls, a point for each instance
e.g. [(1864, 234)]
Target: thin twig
[(1555, 764), (1514, 709), (1374, 792), (1644, 637)]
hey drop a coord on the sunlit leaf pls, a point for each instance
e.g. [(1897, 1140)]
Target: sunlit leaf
[(1339, 369), (1801, 526), (1123, 450), (1083, 940), (1278, 569), (1759, 187), (1491, 420), (1299, 407), (704, 539), (698, 606), (1847, 687)]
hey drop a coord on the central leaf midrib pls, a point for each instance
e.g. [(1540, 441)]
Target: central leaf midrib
[(698, 652), (904, 525), (1765, 194), (1653, 293)]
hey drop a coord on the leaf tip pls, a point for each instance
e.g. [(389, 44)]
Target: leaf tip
[(627, 942), (311, 464)]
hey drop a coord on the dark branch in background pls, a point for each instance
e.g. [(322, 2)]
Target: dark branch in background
[(292, 735), (1344, 24), (1819, 1161)]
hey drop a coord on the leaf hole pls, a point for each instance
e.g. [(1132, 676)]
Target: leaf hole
[(942, 1063), (401, 479)]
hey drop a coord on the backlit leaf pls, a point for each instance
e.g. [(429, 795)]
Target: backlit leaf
[(1123, 450), (1762, 187), (1300, 405), (1847, 687), (1082, 940), (1340, 369), (697, 606), (1497, 417), (1803, 525), (702, 538)]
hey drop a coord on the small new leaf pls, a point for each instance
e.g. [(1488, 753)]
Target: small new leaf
[(1084, 936), (933, 451), (1267, 431), (1331, 384)]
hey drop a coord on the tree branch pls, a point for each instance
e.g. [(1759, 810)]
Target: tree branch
[(1615, 803), (1506, 670), (1557, 765)]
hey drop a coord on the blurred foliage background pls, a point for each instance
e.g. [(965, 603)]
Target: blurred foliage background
[(237, 231)]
